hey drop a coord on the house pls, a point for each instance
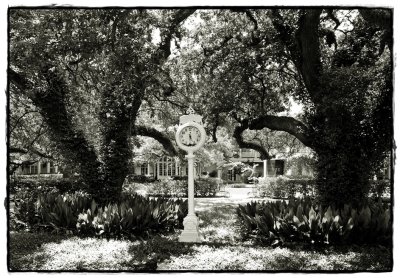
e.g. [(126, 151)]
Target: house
[(43, 167), (163, 168), (298, 164), (257, 166)]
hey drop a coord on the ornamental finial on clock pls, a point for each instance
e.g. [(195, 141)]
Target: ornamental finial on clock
[(190, 110), (190, 117)]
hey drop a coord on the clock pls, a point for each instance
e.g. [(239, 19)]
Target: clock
[(190, 136)]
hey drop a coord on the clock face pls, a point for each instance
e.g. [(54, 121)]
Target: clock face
[(190, 136)]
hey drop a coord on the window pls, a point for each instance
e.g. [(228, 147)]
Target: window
[(164, 166), (33, 169), (43, 168), (171, 168), (279, 164), (231, 175), (167, 167), (25, 169), (52, 168), (144, 169)]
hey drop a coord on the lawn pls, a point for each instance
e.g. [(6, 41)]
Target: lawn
[(221, 249)]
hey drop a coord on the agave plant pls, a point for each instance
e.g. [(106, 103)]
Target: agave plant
[(303, 220), (79, 213)]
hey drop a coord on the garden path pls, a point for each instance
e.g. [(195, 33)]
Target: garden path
[(217, 216), (219, 234)]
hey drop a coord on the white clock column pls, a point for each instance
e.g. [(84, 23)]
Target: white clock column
[(191, 222), (190, 122)]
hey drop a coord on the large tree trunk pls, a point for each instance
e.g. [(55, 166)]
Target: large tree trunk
[(345, 163), (116, 156), (117, 119), (70, 141)]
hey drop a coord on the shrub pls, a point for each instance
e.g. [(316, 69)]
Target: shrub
[(305, 221), (23, 212), (271, 187), (284, 187), (168, 187), (25, 192), (134, 215), (47, 184), (380, 187), (60, 211), (139, 179), (180, 178), (246, 176), (134, 188), (206, 187), (305, 187), (213, 174), (80, 214)]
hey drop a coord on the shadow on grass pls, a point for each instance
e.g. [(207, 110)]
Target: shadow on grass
[(230, 257), (23, 244), (149, 253)]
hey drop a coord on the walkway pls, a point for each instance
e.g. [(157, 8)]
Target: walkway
[(217, 216)]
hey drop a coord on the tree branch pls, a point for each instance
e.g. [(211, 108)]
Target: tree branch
[(164, 49), (214, 128), (383, 18), (208, 51), (303, 47), (281, 123), (379, 17), (238, 135), (164, 140), (333, 17), (18, 80)]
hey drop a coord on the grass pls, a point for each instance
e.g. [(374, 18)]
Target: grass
[(242, 257), (221, 249), (25, 247)]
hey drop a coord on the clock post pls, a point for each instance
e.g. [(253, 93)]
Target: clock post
[(191, 222), (190, 137)]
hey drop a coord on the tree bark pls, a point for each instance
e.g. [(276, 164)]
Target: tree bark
[(303, 45), (309, 60), (71, 142)]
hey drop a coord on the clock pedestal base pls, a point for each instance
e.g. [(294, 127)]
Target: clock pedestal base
[(191, 229)]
